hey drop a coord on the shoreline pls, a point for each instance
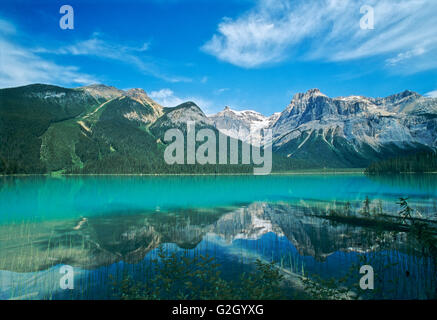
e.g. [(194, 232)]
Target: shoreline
[(342, 172)]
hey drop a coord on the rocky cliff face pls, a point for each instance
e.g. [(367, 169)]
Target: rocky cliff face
[(352, 131)]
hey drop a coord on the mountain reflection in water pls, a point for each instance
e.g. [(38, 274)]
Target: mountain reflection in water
[(260, 229)]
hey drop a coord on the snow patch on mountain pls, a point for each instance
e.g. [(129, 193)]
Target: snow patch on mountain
[(244, 125)]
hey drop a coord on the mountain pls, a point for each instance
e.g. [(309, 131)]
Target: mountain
[(101, 129), (95, 129), (178, 117), (354, 131), (242, 125), (341, 132), (27, 113)]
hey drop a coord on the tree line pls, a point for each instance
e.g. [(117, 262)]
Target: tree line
[(417, 163)]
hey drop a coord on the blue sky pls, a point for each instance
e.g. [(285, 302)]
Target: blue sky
[(248, 54)]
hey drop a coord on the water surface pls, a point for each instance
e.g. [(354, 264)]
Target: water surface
[(108, 225)]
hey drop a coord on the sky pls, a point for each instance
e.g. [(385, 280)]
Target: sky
[(246, 54)]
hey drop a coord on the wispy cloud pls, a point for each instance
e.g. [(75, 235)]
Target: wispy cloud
[(98, 47), (95, 46), (403, 56), (20, 66), (168, 98), (220, 91), (277, 30)]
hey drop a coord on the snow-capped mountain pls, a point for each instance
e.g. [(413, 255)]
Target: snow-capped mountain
[(243, 125), (342, 131)]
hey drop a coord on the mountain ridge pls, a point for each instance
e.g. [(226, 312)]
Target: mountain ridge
[(102, 129)]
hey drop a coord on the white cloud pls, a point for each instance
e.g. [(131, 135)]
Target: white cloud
[(19, 66), (167, 98), (22, 65), (432, 94), (276, 30)]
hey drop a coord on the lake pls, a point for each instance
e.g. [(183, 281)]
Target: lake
[(110, 227)]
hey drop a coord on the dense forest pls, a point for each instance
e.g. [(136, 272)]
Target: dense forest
[(417, 163)]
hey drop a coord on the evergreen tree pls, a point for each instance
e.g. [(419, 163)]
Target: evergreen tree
[(365, 211)]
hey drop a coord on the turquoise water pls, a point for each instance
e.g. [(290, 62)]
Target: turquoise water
[(105, 225), (23, 198)]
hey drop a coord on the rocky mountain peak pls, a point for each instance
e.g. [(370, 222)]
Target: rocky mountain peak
[(188, 111), (407, 94), (136, 92), (141, 96), (313, 99), (312, 93), (101, 91), (188, 105), (404, 102)]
